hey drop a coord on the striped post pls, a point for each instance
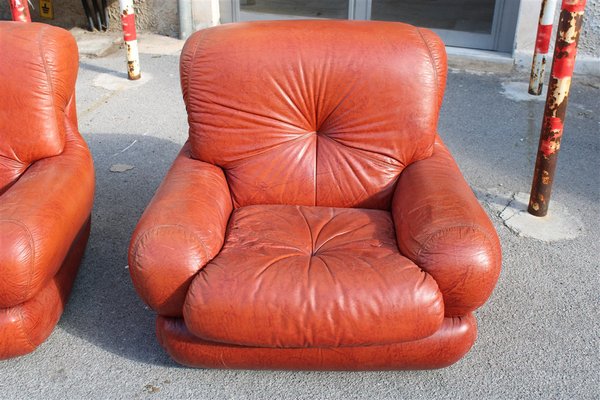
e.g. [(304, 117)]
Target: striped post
[(130, 37), (565, 50), (542, 45), (20, 10)]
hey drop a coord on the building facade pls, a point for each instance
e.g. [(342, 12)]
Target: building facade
[(503, 27), (506, 27)]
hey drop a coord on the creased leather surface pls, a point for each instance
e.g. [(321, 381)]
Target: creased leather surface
[(452, 341), (444, 230), (323, 113), (294, 276), (180, 231), (40, 216), (25, 326), (437, 53), (44, 58), (46, 182)]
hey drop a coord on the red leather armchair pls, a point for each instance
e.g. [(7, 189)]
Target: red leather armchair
[(314, 219), (46, 182)]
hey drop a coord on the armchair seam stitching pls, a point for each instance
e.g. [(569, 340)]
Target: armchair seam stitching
[(22, 323), (441, 231), (433, 63), (157, 227), (49, 78), (32, 244), (144, 291), (191, 63)]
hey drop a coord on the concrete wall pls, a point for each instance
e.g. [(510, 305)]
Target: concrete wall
[(588, 55), (205, 13)]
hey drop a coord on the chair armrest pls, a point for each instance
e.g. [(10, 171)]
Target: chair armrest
[(40, 216), (181, 230), (442, 228)]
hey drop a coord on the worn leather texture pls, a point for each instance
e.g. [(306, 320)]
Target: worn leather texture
[(25, 326), (46, 204), (326, 122), (445, 347), (314, 219), (324, 277), (47, 60), (182, 229), (443, 229)]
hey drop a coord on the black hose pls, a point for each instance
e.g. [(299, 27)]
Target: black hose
[(88, 15), (105, 9), (98, 14)]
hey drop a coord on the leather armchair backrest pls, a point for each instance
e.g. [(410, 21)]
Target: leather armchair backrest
[(38, 69), (324, 113)]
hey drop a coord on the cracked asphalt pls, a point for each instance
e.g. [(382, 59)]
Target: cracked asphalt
[(538, 333)]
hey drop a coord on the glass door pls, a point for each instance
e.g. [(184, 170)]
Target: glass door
[(288, 9), (480, 24), (476, 24)]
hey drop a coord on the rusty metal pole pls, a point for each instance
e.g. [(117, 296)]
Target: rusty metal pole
[(542, 45), (20, 10), (565, 50), (130, 37)]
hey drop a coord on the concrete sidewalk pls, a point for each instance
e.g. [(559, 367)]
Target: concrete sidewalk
[(538, 334)]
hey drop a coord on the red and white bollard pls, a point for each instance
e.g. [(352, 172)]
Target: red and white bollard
[(542, 45), (20, 10), (565, 50), (130, 37)]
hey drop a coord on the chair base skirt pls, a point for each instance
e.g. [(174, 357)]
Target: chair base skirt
[(448, 345), (24, 327)]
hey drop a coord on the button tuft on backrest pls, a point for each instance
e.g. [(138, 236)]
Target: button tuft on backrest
[(312, 112)]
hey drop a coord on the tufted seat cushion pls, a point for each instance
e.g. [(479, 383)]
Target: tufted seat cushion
[(324, 277)]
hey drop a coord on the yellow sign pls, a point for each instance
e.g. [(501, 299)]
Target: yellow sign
[(46, 9)]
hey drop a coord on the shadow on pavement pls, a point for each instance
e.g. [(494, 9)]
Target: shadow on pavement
[(104, 308), (102, 70)]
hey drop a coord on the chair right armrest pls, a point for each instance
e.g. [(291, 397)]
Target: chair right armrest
[(181, 230), (442, 228), (40, 217)]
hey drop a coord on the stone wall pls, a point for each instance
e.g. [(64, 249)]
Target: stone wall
[(158, 16), (589, 43)]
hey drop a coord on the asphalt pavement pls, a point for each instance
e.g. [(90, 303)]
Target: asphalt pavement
[(538, 334)]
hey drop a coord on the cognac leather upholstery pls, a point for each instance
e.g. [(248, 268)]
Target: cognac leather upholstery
[(46, 182), (314, 219)]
